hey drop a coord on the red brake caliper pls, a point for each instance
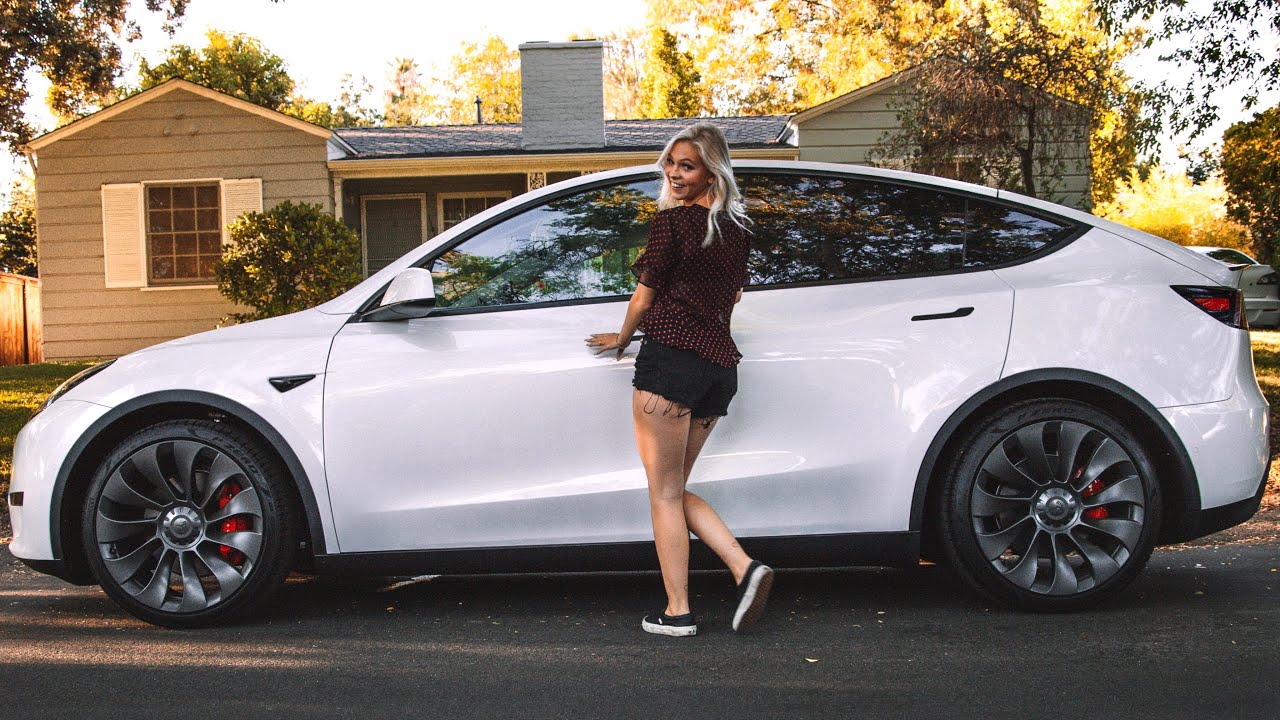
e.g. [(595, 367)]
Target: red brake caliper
[(231, 524), (1097, 513)]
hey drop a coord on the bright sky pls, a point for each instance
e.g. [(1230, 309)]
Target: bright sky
[(322, 40)]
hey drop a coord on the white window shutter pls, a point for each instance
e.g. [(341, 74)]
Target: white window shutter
[(123, 239), (238, 198)]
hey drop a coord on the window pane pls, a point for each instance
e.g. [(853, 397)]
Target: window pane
[(161, 244), (1000, 234), (207, 219), (207, 196), (159, 198), (571, 248), (185, 244), (184, 196), (188, 267), (162, 268), (159, 221), (206, 266), (817, 228), (821, 228), (184, 220), (210, 244)]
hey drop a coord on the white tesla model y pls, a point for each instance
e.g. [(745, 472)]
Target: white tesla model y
[(1030, 394)]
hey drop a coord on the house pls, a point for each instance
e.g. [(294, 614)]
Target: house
[(133, 201)]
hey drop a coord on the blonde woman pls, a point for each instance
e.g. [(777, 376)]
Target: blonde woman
[(690, 277)]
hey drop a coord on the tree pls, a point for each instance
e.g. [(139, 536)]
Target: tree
[(348, 111), (783, 56), (18, 230), (1174, 207), (1251, 171), (241, 66), (624, 61), (1226, 42), (235, 64), (73, 43), (1012, 85), (489, 70), (403, 102), (670, 86), (286, 259)]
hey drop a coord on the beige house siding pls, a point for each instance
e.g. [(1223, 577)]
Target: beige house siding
[(848, 134), (177, 136)]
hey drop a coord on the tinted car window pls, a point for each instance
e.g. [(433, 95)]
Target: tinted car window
[(571, 248), (815, 228)]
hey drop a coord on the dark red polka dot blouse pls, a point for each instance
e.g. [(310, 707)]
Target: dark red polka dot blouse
[(696, 285)]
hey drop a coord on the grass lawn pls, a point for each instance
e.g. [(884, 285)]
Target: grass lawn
[(24, 387)]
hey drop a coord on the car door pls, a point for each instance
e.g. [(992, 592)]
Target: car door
[(490, 422)]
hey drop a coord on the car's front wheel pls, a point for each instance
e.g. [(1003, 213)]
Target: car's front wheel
[(1050, 505), (188, 523)]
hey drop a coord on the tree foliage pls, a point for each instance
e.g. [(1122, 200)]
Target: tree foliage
[(782, 56), (670, 86), (1224, 42), (1251, 171), (235, 64), (73, 43), (288, 258), (624, 63), (18, 230), (403, 100), (1013, 86), (489, 70), (241, 66), (1169, 204)]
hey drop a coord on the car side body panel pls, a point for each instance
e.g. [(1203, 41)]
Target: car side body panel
[(1130, 326)]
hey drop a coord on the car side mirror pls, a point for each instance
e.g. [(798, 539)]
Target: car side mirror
[(410, 295)]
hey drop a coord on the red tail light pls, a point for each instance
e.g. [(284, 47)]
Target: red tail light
[(1224, 304)]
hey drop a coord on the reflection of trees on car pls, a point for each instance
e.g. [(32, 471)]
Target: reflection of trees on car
[(815, 228), (575, 247)]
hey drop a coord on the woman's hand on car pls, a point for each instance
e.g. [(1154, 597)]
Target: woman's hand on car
[(608, 341)]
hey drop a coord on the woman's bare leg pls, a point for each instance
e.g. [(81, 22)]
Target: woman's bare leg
[(662, 433), (701, 518)]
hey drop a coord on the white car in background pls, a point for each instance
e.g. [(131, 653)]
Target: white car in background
[(1259, 283), (1031, 394)]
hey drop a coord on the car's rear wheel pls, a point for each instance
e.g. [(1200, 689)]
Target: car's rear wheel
[(1050, 505), (188, 523)]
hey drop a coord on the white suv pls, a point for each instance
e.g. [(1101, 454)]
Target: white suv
[(1033, 395)]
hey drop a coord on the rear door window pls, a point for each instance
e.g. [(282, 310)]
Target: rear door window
[(825, 228)]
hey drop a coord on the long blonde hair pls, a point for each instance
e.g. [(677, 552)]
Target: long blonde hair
[(714, 151)]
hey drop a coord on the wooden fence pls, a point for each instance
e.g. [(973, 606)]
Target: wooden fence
[(20, 339)]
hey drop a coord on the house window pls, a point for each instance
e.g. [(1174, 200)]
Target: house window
[(456, 207), (184, 233)]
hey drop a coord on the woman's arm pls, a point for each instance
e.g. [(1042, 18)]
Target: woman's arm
[(641, 300)]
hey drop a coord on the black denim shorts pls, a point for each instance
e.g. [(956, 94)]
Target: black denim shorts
[(686, 378)]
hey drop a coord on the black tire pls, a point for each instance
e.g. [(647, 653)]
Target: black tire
[(189, 523), (1050, 505)]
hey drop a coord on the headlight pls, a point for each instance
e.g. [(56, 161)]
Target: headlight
[(71, 382), (1268, 279)]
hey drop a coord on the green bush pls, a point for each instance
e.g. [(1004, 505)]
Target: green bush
[(286, 259)]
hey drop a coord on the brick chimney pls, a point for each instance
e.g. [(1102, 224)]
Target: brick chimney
[(562, 88)]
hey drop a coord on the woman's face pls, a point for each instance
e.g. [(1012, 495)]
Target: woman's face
[(687, 177)]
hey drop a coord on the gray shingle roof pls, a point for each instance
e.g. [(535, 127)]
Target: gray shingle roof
[(504, 139)]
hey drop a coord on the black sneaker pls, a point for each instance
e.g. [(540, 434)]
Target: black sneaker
[(676, 626), (753, 593)]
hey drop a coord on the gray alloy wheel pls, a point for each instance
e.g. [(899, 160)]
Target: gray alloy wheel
[(185, 525), (1053, 506)]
